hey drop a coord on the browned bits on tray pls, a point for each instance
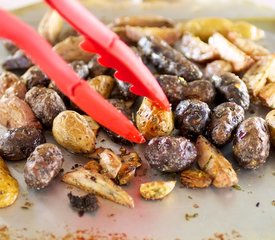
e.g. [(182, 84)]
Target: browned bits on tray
[(194, 178), (211, 160), (156, 190)]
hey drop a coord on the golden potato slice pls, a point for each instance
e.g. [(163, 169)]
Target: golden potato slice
[(73, 132), (110, 163), (256, 76), (247, 30), (195, 178), (152, 121), (103, 84), (93, 182), (169, 35), (50, 27), (93, 124), (156, 190), (70, 50), (267, 95), (270, 120), (211, 160), (15, 113), (126, 173), (9, 188), (195, 49), (93, 165), (230, 52)]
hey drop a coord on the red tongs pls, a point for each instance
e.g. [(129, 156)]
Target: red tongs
[(98, 39)]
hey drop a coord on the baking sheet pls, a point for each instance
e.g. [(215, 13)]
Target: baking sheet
[(222, 213)]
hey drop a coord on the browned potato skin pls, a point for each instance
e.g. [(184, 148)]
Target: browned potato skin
[(251, 144), (217, 67), (35, 77), (170, 154), (73, 132), (267, 95), (15, 113), (18, 143), (17, 61), (194, 90), (224, 120), (270, 120), (103, 84), (43, 165), (45, 103), (195, 178), (152, 121), (211, 160)]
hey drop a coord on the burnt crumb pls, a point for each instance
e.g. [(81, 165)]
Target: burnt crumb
[(189, 197), (123, 150), (252, 111), (61, 170), (273, 202), (190, 216), (82, 204), (102, 140), (111, 215), (196, 205), (75, 166), (237, 187), (257, 204), (27, 205), (93, 178)]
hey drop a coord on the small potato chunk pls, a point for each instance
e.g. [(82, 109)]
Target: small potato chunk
[(170, 154), (229, 52), (195, 178), (43, 165), (93, 165), (196, 50), (224, 120), (256, 76), (122, 91), (95, 68), (45, 103), (9, 187), (248, 46), (80, 68), (73, 132), (103, 84), (126, 173), (248, 30), (191, 117), (50, 26), (18, 143), (17, 61), (131, 157), (251, 144), (35, 77), (270, 120), (194, 90), (152, 121), (70, 50), (110, 163), (217, 67), (15, 113), (93, 124), (93, 182), (170, 35), (267, 95), (232, 88), (156, 190), (211, 161)]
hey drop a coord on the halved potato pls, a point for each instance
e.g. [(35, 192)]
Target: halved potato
[(270, 120), (156, 190), (267, 95)]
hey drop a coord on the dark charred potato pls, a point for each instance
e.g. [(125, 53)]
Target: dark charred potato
[(152, 121), (191, 117), (251, 144), (65, 99), (122, 91), (167, 59), (18, 143), (81, 68), (17, 61), (45, 103), (121, 106), (224, 120), (173, 87), (10, 46), (43, 165), (232, 88), (170, 154), (35, 77), (202, 90), (95, 68)]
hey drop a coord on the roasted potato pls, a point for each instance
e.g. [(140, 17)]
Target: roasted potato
[(8, 185), (270, 120), (195, 178), (196, 50), (17, 61), (211, 161), (110, 163), (18, 143), (43, 165), (122, 91), (45, 103), (217, 67), (9, 46), (95, 68), (267, 95), (80, 68), (70, 50), (15, 113), (191, 117), (229, 52), (152, 121), (232, 88), (93, 124), (103, 84), (156, 190), (224, 120), (73, 132), (170, 154), (251, 144), (35, 77)]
